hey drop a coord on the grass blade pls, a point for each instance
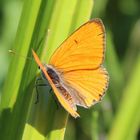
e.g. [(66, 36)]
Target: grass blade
[(128, 114)]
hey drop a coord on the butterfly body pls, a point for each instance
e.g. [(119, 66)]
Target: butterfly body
[(75, 70)]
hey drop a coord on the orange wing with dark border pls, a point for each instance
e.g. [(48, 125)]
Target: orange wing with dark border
[(84, 49)]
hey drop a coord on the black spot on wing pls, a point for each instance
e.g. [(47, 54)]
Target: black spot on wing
[(76, 41)]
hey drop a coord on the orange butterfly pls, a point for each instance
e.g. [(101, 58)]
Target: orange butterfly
[(75, 70)]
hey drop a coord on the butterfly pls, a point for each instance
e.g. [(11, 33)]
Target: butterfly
[(75, 70)]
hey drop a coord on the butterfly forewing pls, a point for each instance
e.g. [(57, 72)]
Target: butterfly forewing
[(84, 49)]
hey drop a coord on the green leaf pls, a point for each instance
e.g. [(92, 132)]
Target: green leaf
[(127, 120)]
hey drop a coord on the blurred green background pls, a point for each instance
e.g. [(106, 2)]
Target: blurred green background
[(118, 115)]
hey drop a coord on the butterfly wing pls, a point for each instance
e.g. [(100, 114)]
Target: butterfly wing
[(89, 84), (79, 60), (84, 49)]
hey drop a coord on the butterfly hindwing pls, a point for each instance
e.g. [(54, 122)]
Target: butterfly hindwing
[(89, 84)]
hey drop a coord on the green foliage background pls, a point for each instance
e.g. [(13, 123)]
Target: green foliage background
[(117, 117)]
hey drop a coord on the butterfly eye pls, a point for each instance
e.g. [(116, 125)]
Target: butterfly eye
[(38, 67)]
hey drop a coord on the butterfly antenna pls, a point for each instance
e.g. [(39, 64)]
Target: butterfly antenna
[(14, 53)]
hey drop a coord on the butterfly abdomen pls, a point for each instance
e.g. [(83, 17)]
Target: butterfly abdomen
[(53, 74)]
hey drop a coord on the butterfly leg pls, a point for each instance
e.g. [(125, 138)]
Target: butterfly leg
[(55, 99), (50, 90), (38, 85)]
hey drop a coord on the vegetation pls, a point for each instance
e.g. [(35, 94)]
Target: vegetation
[(43, 25)]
